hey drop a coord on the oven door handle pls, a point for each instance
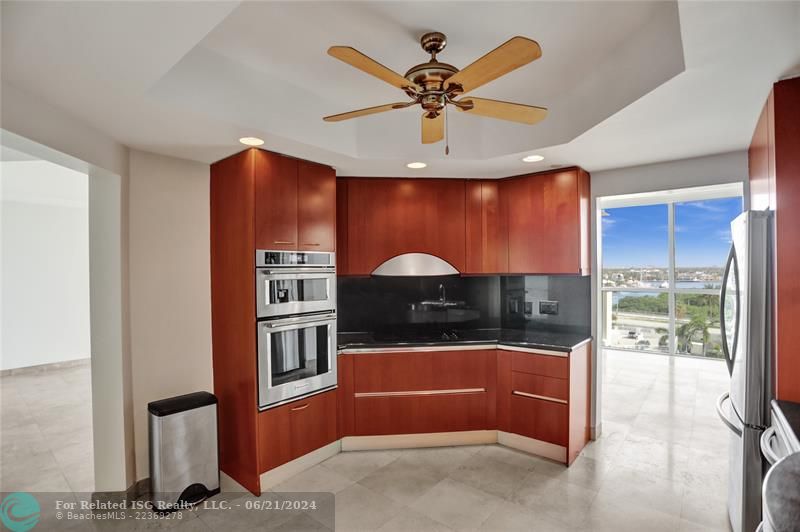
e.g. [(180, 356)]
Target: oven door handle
[(298, 273), (283, 322)]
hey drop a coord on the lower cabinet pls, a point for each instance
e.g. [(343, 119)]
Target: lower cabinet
[(412, 414), (417, 392), (539, 419), (289, 431), (547, 397)]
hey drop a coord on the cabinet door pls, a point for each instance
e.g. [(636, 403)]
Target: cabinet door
[(316, 207), (487, 230), (274, 438), (539, 419), (545, 223), (388, 217), (312, 423), (276, 201)]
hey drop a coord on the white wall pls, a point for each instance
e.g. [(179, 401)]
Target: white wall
[(45, 264), (699, 171), (170, 284)]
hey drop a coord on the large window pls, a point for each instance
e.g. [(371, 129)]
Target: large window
[(663, 257)]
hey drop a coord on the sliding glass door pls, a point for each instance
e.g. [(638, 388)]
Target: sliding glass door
[(662, 266)]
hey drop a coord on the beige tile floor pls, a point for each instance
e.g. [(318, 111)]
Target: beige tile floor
[(660, 465), (46, 431)]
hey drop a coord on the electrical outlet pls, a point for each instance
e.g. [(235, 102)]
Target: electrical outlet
[(548, 307)]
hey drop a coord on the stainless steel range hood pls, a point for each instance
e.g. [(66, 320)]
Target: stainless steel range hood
[(415, 265)]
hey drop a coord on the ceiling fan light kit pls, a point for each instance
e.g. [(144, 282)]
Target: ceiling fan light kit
[(434, 85)]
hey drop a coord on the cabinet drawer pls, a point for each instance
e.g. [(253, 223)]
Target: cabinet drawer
[(412, 414), (545, 387), (414, 371), (546, 365), (312, 422), (289, 431), (538, 419)]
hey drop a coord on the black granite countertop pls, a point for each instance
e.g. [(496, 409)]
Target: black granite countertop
[(532, 339), (782, 494)]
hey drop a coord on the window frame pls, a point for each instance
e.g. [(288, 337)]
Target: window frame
[(669, 198)]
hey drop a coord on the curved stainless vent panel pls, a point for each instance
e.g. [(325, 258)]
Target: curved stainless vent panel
[(415, 264)]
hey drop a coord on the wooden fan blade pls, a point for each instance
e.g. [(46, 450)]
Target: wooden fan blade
[(514, 53), (432, 128), (515, 112), (365, 112), (354, 58)]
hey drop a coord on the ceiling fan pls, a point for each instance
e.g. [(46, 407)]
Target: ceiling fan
[(434, 85)]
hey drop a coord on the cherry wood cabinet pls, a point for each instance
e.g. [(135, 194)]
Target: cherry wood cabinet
[(389, 217), (774, 161), (548, 222), (295, 203), (289, 431), (486, 228), (261, 200), (418, 392), (316, 207), (546, 397), (276, 201), (532, 224), (540, 419), (541, 396)]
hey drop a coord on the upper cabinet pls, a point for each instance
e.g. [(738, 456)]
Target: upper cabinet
[(487, 229), (533, 224), (316, 207), (389, 217), (295, 204), (548, 222), (276, 201)]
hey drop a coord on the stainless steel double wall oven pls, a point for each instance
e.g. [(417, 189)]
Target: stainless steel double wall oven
[(296, 324)]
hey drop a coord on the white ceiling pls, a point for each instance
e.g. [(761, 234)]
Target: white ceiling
[(626, 82)]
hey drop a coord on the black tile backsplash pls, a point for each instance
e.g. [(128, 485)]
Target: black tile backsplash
[(522, 296), (413, 304)]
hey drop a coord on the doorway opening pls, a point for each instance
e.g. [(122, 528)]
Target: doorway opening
[(45, 363), (660, 263)]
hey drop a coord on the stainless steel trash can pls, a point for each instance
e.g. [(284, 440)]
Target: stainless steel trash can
[(184, 463)]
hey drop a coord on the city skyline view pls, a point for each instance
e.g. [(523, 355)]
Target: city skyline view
[(637, 237)]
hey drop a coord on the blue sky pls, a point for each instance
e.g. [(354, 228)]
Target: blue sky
[(637, 236)]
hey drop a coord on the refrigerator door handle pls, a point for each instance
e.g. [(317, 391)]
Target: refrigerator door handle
[(766, 446), (723, 296), (722, 398)]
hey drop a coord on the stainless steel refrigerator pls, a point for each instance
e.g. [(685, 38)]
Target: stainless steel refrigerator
[(745, 308)]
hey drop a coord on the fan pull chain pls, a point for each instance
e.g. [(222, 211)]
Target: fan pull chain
[(446, 132)]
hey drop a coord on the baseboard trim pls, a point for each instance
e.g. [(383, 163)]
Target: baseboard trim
[(273, 477), (529, 445), (410, 441), (42, 368)]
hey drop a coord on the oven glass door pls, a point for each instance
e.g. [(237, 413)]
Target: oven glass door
[(284, 294), (296, 357)]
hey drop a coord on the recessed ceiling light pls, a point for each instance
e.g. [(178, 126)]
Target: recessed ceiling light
[(416, 166), (533, 158), (251, 141)]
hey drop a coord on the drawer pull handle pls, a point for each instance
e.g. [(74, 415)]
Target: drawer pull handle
[(282, 242), (310, 244), (420, 392), (542, 397), (301, 407)]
